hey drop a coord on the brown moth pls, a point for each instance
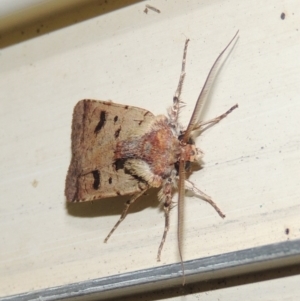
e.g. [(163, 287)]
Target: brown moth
[(125, 150)]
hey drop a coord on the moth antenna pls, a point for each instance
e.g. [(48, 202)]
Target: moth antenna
[(181, 193), (176, 98), (124, 213), (202, 96)]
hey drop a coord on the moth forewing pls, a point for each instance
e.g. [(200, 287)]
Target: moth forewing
[(97, 127)]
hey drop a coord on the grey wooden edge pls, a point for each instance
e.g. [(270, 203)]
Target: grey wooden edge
[(223, 265)]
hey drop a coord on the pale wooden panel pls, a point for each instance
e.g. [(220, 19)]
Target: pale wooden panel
[(17, 13), (251, 163)]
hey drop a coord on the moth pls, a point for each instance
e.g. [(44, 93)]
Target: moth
[(125, 150)]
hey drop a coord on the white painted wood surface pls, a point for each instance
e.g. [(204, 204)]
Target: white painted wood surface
[(251, 164)]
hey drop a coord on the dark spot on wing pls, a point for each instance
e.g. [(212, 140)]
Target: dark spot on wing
[(145, 114), (116, 119), (101, 122), (110, 180), (96, 176), (282, 16), (119, 164), (126, 107), (287, 231), (117, 132)]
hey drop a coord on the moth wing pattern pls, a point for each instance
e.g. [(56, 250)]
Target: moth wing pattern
[(97, 126)]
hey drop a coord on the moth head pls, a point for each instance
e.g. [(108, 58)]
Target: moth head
[(192, 153), (189, 151)]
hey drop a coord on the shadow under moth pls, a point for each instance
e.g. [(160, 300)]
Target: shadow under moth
[(124, 150)]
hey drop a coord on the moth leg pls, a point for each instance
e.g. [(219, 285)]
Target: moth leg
[(165, 195), (216, 119), (124, 213), (174, 111), (191, 187), (219, 118)]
